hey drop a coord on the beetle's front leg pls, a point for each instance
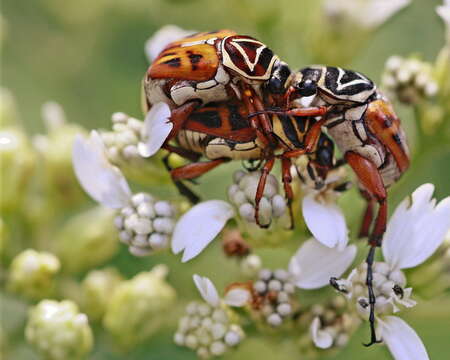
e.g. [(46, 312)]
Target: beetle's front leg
[(287, 179), (179, 115), (260, 122)]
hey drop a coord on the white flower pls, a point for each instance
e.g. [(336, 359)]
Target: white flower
[(365, 13), (401, 339), (101, 180), (444, 12), (199, 226), (162, 38), (157, 127), (234, 297), (322, 339), (314, 264), (414, 232), (322, 215), (416, 229)]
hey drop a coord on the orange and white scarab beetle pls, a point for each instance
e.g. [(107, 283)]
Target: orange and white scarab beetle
[(215, 66)]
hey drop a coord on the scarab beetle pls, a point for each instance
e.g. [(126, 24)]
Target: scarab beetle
[(212, 67), (222, 132), (365, 128)]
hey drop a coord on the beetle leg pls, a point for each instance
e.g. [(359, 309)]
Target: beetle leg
[(179, 116), (261, 122), (368, 215), (310, 111), (287, 179), (191, 171), (372, 182), (313, 135), (189, 155), (265, 171), (182, 188)]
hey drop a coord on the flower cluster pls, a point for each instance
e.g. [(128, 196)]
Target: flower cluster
[(242, 195), (209, 327), (58, 330), (332, 325), (32, 274), (121, 143), (409, 79), (145, 225)]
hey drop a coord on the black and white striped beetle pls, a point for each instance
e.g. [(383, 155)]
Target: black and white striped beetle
[(365, 128)]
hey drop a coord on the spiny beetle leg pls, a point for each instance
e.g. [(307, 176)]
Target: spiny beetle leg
[(265, 171)]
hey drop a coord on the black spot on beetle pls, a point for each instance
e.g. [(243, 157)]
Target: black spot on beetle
[(387, 123), (397, 139), (175, 62)]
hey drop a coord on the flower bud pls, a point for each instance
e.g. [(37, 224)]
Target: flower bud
[(17, 163), (242, 195), (32, 274), (87, 240), (138, 307), (97, 288), (274, 290), (208, 331), (58, 330), (55, 150), (146, 224)]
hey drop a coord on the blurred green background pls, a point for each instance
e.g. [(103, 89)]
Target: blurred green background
[(88, 56)]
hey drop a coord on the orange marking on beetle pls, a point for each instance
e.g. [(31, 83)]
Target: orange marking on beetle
[(385, 125), (198, 63)]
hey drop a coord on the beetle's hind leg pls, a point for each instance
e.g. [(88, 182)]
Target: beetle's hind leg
[(368, 214), (372, 182), (182, 188)]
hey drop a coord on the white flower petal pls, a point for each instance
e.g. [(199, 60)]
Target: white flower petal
[(157, 127), (162, 38), (401, 339), (326, 222), (314, 264), (321, 339), (365, 13), (237, 297), (207, 290), (199, 226), (416, 229), (444, 12), (101, 180)]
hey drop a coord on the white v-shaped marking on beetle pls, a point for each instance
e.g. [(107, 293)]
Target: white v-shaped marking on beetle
[(259, 50)]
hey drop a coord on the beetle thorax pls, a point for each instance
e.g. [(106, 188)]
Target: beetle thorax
[(248, 57)]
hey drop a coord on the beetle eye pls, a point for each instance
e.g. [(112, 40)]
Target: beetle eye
[(307, 88), (276, 86)]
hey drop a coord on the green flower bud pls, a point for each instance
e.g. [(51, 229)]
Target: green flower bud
[(32, 274), (58, 330), (97, 288), (138, 307), (87, 240), (3, 237), (17, 161), (55, 149), (8, 108)]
